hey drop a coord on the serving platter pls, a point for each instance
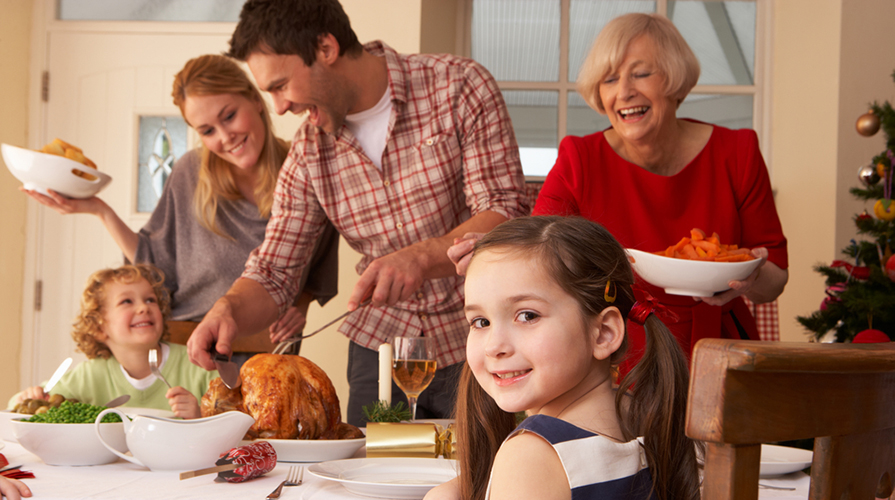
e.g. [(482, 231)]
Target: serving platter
[(780, 460), (398, 478), (314, 450)]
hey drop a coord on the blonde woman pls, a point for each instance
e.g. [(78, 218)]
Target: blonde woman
[(652, 177), (216, 203)]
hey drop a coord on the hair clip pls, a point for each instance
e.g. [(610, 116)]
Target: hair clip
[(610, 298)]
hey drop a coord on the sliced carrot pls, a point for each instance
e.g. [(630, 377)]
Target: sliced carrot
[(699, 247)]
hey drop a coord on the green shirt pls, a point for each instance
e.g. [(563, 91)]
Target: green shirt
[(97, 381)]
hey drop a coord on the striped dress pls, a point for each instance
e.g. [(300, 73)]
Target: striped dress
[(597, 467)]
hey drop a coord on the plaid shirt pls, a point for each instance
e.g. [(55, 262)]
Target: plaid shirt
[(450, 153)]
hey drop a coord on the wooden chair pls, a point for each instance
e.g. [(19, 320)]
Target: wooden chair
[(744, 393)]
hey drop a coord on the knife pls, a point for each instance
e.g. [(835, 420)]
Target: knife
[(57, 375), (227, 369)]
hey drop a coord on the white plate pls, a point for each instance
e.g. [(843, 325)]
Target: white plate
[(41, 171), (2, 444), (314, 450), (400, 478), (779, 460)]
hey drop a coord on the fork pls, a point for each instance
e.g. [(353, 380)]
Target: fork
[(153, 366), (293, 478)]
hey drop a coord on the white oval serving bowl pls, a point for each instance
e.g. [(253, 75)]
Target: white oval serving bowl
[(70, 444), (41, 171), (695, 278)]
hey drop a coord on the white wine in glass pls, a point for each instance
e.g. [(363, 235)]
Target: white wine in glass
[(414, 366)]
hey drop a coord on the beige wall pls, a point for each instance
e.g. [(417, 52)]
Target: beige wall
[(15, 32), (830, 59)]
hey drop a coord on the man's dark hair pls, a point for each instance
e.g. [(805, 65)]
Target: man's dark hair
[(291, 27)]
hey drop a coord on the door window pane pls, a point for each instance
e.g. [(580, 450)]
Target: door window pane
[(163, 139), (534, 118), (587, 18), (731, 111), (517, 40), (722, 35), (150, 10)]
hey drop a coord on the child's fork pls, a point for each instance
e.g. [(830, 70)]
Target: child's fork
[(293, 478), (153, 366)]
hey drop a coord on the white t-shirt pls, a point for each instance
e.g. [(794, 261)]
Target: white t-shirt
[(371, 126)]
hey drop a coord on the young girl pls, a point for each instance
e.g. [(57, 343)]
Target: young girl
[(123, 313), (547, 299)]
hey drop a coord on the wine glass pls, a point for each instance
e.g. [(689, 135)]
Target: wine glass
[(414, 366)]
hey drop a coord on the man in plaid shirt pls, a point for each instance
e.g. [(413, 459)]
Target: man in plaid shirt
[(403, 153)]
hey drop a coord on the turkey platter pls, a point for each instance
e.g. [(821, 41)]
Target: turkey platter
[(289, 397)]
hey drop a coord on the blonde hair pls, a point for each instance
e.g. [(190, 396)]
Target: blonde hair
[(89, 322), (214, 75), (675, 59)]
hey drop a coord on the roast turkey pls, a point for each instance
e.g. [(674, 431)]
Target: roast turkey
[(288, 396)]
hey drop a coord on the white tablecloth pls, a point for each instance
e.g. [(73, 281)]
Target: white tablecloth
[(123, 480)]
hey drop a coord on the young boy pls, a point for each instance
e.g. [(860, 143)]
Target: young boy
[(122, 318)]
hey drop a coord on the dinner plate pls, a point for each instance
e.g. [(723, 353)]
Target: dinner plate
[(314, 450), (779, 460), (394, 477)]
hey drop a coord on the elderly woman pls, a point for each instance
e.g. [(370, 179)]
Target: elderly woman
[(652, 177)]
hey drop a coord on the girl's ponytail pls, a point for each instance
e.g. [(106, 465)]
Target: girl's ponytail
[(656, 410), (481, 428)]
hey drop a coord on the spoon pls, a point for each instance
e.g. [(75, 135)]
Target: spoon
[(120, 400)]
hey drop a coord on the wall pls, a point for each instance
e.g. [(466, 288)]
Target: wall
[(15, 24), (805, 134), (865, 76)]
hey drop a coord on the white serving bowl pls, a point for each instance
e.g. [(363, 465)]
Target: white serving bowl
[(6, 417), (70, 444), (41, 171), (314, 450), (695, 278)]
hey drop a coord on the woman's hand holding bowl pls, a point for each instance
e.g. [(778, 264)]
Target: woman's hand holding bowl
[(738, 288)]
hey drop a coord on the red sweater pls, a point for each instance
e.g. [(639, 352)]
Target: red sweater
[(725, 189)]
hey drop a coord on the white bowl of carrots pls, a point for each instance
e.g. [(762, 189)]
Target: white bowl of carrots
[(696, 266)]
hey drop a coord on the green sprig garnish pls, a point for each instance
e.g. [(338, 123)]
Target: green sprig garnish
[(380, 411)]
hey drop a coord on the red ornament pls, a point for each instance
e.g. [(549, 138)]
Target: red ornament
[(832, 292), (857, 272), (870, 337), (864, 216), (890, 267)]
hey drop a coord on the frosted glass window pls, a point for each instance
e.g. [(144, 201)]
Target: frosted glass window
[(582, 119), (534, 118), (150, 10), (163, 139), (731, 111), (586, 20), (722, 35), (517, 40)]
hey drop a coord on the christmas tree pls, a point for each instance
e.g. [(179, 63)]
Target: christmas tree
[(861, 290)]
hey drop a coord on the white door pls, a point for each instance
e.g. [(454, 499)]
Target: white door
[(100, 83)]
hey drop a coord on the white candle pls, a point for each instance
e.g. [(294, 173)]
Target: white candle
[(385, 373)]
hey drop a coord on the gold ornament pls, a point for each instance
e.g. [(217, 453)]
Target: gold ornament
[(884, 209), (868, 124), (881, 168)]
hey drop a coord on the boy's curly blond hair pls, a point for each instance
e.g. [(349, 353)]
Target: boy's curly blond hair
[(90, 321)]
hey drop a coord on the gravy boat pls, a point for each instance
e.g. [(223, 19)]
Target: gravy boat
[(167, 444)]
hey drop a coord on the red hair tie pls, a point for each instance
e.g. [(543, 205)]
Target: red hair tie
[(647, 304)]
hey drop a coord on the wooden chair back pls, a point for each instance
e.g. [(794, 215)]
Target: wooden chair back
[(744, 393)]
